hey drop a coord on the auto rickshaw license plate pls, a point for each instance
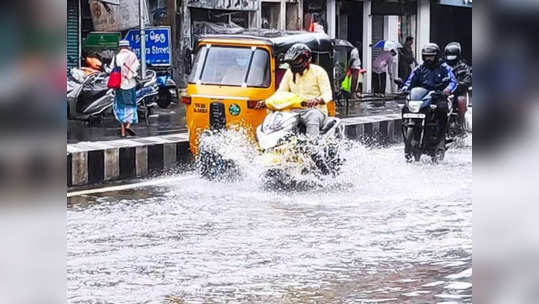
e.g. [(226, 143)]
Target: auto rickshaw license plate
[(201, 108)]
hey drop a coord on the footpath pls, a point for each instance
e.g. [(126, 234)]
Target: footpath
[(96, 155)]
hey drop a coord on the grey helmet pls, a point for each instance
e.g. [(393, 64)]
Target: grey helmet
[(297, 51), (298, 57), (431, 49)]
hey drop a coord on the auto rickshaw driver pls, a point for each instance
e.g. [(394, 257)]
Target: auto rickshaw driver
[(310, 82)]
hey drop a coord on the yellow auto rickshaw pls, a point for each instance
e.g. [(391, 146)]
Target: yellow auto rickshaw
[(232, 73)]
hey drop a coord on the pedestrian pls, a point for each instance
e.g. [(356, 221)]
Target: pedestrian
[(125, 104), (316, 25), (356, 70), (382, 65), (406, 58)]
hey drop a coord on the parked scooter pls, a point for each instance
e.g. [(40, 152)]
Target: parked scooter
[(147, 94), (88, 98)]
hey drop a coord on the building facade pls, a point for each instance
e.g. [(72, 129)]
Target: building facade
[(362, 22)]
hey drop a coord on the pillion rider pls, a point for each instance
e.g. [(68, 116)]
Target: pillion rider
[(310, 82)]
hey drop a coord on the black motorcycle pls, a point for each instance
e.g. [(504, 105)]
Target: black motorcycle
[(421, 125), (458, 127)]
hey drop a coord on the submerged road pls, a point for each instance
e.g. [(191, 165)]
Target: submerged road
[(384, 232)]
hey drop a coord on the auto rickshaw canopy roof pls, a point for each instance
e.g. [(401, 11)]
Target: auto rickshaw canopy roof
[(280, 41)]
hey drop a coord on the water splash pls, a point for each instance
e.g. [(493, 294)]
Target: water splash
[(376, 172), (301, 163)]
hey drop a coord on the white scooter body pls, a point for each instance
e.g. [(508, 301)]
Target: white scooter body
[(279, 125)]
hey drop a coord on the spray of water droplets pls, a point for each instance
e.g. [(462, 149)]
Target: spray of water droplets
[(363, 168)]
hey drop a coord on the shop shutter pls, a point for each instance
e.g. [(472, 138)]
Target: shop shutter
[(72, 34)]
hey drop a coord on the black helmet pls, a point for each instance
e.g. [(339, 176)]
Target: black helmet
[(431, 49), (452, 52)]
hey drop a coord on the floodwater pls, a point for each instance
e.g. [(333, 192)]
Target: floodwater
[(385, 232)]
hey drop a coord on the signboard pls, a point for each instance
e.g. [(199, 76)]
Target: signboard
[(463, 3), (234, 5), (117, 15), (101, 41), (381, 8), (158, 51)]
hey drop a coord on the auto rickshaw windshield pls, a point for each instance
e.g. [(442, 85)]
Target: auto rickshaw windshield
[(231, 66)]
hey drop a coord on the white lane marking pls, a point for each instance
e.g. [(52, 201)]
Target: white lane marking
[(153, 182)]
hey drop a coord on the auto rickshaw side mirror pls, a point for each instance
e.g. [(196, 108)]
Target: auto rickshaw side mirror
[(280, 59)]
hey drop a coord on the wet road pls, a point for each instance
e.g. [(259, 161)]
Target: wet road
[(385, 232), (172, 120)]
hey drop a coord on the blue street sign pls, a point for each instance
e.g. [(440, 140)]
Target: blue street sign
[(158, 52)]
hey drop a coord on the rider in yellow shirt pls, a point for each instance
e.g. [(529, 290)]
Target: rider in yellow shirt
[(310, 82)]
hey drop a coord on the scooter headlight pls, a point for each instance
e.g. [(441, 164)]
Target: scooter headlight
[(414, 105)]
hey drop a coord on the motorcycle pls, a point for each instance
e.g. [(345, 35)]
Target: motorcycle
[(88, 97), (289, 158), (420, 124), (459, 122)]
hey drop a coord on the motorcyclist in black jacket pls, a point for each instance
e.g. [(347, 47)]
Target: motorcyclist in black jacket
[(463, 73), (431, 75)]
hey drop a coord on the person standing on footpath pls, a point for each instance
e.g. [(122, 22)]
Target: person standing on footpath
[(382, 64), (125, 103), (406, 58), (357, 71)]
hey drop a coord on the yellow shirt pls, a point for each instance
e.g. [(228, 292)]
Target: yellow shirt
[(314, 83)]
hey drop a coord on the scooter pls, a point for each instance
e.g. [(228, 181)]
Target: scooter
[(88, 97), (147, 94), (290, 159)]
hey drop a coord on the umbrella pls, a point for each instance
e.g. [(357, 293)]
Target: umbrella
[(387, 45)]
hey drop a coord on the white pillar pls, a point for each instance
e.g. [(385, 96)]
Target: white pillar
[(331, 12), (300, 15), (423, 27), (367, 49), (282, 15), (255, 18), (391, 32)]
